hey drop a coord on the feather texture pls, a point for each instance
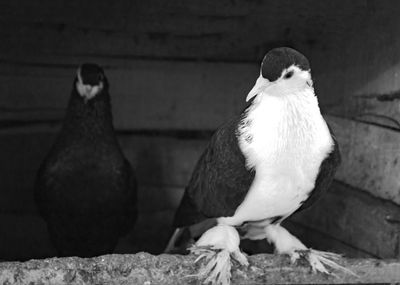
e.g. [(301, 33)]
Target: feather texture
[(85, 188), (220, 180), (281, 138)]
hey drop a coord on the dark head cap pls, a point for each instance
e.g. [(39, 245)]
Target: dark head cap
[(91, 74), (90, 81), (279, 59)]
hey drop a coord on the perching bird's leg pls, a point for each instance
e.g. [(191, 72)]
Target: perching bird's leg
[(179, 241), (286, 243), (217, 246)]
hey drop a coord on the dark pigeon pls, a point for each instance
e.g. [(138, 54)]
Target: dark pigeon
[(85, 188)]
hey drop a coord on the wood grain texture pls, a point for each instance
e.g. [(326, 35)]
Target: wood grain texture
[(318, 239), (355, 218), (379, 109), (347, 221), (239, 30), (182, 95), (353, 48), (145, 95), (311, 237), (370, 157)]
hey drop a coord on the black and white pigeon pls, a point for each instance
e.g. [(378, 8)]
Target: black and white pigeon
[(272, 160), (85, 188)]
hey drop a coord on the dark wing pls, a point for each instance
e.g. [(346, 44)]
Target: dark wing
[(95, 218), (220, 180), (44, 183), (325, 176), (130, 210)]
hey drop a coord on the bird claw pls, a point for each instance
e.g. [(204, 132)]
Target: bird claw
[(240, 258), (294, 256), (320, 260), (217, 268)]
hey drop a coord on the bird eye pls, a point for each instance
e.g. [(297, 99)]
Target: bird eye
[(288, 75)]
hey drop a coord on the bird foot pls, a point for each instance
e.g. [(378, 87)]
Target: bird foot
[(320, 260), (217, 268)]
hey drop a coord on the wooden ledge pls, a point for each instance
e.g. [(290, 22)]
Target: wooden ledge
[(144, 268)]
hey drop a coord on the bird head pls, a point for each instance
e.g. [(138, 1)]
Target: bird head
[(90, 80), (283, 71)]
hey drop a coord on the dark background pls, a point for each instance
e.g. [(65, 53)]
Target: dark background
[(177, 70)]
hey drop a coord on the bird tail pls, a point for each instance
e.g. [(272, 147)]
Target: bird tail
[(184, 237), (179, 241)]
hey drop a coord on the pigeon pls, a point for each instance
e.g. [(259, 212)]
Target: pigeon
[(86, 189), (273, 159)]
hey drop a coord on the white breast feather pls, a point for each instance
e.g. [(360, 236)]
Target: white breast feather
[(285, 139)]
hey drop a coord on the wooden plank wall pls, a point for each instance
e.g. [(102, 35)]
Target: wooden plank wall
[(177, 71)]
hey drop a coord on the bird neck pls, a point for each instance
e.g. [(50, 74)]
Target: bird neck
[(286, 113), (92, 118), (276, 128)]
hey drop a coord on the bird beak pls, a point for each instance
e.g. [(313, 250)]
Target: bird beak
[(259, 87), (85, 90)]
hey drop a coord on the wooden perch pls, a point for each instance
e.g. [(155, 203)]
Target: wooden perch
[(143, 268)]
